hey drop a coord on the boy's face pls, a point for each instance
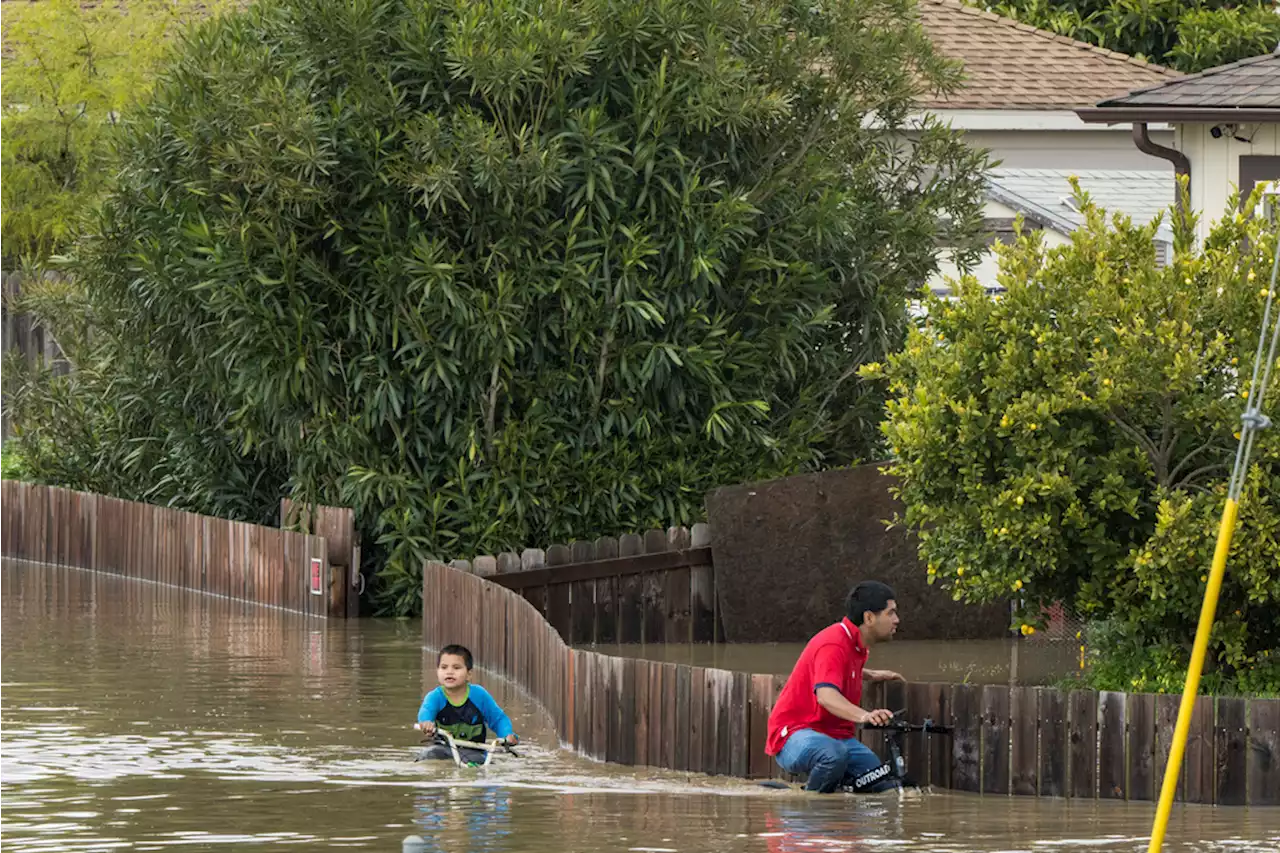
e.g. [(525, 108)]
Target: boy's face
[(452, 671)]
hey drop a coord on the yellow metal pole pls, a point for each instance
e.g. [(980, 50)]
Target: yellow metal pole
[(1189, 690)]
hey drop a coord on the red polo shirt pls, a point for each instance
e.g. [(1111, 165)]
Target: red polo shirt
[(834, 658)]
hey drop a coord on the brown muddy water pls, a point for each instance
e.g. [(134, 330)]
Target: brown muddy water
[(958, 662), (138, 717)]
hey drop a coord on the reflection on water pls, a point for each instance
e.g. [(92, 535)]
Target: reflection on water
[(137, 717), (957, 662)]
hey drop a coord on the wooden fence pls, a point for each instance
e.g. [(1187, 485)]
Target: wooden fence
[(240, 561), (658, 587), (1031, 741), (337, 525), (22, 334)]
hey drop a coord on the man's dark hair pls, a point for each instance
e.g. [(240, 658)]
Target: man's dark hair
[(868, 595), (461, 651)]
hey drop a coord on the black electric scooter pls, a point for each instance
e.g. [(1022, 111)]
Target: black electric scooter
[(895, 767)]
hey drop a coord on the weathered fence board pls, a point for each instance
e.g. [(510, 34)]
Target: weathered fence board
[(640, 755), (760, 764), (1166, 720), (940, 750), (917, 753), (1264, 752), (1025, 717), (1229, 752), (966, 738), (995, 739), (1142, 746), (684, 733), (1082, 721), (1199, 758), (1112, 762)]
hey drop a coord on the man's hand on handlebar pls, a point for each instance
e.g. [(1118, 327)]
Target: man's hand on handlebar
[(878, 717)]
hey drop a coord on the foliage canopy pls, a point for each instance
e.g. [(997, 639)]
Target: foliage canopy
[(506, 272), (1189, 35), (70, 71), (1071, 441)]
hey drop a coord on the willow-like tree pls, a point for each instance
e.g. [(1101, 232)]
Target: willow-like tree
[(506, 272), (70, 70)]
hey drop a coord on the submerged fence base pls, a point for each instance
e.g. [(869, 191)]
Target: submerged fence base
[(1033, 741), (240, 561)]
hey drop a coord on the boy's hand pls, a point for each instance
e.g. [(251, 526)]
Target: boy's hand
[(426, 727), (511, 740)]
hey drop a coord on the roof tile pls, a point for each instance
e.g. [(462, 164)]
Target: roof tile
[(1140, 194), (1252, 83), (1009, 65)]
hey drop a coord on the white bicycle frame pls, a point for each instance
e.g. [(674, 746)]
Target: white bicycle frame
[(454, 745)]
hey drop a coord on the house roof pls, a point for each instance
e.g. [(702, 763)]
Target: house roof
[(1044, 198), (1045, 195), (1248, 90), (1012, 66)]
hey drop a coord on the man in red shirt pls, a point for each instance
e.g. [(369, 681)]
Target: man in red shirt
[(813, 726)]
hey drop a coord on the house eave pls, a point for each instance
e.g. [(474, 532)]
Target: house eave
[(1176, 115), (1013, 120)]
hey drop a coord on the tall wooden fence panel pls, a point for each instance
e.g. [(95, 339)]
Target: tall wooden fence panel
[(337, 525), (239, 561), (1028, 741), (656, 587)]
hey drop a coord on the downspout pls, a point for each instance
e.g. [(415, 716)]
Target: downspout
[(1181, 165)]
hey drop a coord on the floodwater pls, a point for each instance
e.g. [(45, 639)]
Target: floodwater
[(138, 717), (957, 662)]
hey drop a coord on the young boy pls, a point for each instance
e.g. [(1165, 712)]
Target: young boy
[(459, 707)]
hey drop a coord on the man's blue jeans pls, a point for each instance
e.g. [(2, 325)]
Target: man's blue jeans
[(829, 762)]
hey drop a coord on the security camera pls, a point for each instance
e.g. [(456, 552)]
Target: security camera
[(1216, 131)]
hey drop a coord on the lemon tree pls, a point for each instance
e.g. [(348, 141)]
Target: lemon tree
[(1071, 440)]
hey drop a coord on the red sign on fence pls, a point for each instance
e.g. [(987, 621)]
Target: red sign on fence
[(317, 572)]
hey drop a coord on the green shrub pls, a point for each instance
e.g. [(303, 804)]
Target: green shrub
[(508, 272), (70, 71), (11, 463), (1071, 440)]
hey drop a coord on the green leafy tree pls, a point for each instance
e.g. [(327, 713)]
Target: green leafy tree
[(70, 70), (1071, 441), (1189, 35), (505, 272), (11, 467)]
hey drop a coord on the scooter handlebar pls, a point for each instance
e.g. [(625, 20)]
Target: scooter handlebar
[(928, 727)]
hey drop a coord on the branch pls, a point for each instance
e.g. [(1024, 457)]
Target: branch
[(835, 386), (610, 306), (490, 418), (1187, 459), (1189, 480), (1141, 438), (1168, 439)]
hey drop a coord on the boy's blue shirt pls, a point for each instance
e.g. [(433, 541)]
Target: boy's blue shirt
[(494, 717)]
